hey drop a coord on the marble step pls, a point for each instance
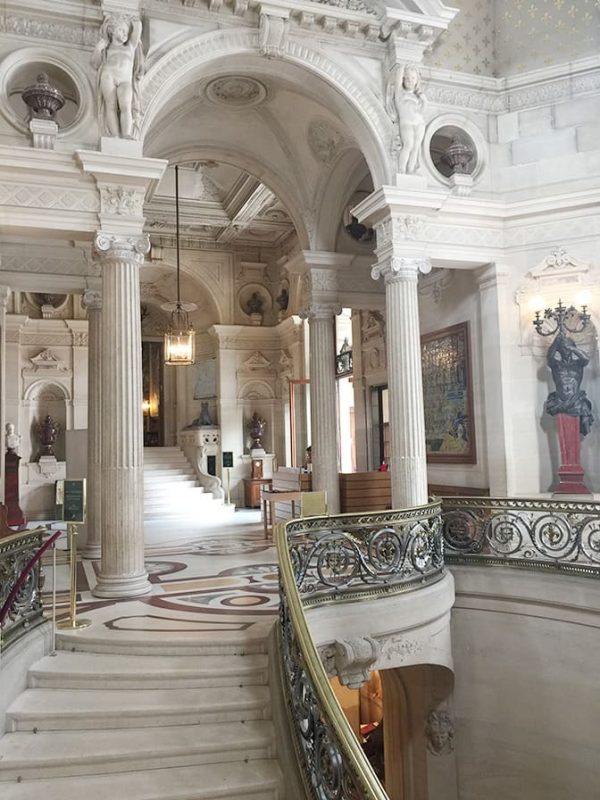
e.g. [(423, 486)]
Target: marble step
[(163, 473), (108, 671), (179, 502), (227, 643), (255, 780), (176, 476), (59, 754), (80, 709)]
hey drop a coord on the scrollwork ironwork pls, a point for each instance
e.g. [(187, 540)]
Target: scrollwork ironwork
[(543, 533), (25, 610), (322, 559)]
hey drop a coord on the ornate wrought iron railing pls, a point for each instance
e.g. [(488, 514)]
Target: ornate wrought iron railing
[(21, 582), (541, 534), (321, 560)]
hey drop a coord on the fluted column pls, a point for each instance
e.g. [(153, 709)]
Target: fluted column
[(4, 295), (407, 464), (92, 301), (122, 572), (323, 402)]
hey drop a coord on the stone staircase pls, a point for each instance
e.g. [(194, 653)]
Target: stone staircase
[(125, 721), (172, 493)]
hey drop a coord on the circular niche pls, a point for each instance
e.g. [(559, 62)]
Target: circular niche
[(19, 74), (254, 298), (454, 145)]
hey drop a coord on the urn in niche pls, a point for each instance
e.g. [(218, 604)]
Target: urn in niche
[(48, 433), (257, 431)]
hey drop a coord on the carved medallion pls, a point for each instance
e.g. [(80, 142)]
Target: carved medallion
[(236, 91)]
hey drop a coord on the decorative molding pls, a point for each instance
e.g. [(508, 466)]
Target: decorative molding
[(71, 33), (325, 141), (257, 364), (401, 268), (351, 660), (434, 284), (273, 28), (47, 360), (397, 229), (236, 91), (559, 267), (121, 200), (26, 195)]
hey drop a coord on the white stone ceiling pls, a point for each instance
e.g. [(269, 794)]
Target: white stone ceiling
[(219, 204), (506, 37)]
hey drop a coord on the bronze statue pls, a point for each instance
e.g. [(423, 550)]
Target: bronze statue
[(567, 362)]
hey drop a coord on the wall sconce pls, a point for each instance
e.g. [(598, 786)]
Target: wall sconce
[(560, 320), (146, 407)]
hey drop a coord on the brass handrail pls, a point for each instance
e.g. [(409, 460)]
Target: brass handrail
[(333, 764)]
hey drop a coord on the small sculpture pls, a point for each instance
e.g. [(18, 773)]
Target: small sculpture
[(254, 304), (43, 99), (119, 59), (406, 103), (567, 362), (12, 439), (48, 433), (458, 155), (257, 431), (283, 299), (439, 731)]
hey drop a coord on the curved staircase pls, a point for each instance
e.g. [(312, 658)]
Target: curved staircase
[(142, 721)]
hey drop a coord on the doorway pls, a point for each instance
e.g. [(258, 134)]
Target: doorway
[(153, 394)]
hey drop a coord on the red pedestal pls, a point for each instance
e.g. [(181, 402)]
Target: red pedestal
[(570, 472), (14, 515)]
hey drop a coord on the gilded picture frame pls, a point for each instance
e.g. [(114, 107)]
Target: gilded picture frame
[(448, 396)]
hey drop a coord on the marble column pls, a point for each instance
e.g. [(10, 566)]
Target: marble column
[(323, 402), (4, 295), (92, 301), (407, 463), (122, 572)]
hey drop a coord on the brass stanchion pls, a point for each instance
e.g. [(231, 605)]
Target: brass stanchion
[(73, 623)]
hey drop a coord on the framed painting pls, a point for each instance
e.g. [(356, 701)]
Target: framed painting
[(448, 396)]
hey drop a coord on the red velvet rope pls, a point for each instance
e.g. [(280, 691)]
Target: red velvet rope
[(23, 576)]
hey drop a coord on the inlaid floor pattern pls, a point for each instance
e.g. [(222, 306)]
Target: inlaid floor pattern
[(154, 713)]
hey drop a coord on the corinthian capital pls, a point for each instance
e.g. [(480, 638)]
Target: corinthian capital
[(320, 311), (112, 247), (401, 268)]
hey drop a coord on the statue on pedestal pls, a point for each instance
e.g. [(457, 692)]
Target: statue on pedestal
[(13, 439), (257, 431), (119, 60), (14, 515), (567, 362)]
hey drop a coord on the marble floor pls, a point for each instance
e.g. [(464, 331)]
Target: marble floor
[(223, 584)]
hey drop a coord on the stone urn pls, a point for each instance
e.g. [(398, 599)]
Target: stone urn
[(48, 433), (43, 99), (257, 431), (458, 156)]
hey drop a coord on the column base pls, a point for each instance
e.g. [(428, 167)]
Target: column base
[(92, 551), (117, 586)]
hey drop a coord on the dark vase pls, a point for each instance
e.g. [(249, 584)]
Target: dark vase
[(257, 431), (48, 436)]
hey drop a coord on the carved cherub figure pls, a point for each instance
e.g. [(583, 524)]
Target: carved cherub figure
[(406, 103), (119, 59)]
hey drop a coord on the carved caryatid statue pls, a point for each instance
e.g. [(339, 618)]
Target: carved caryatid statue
[(406, 104), (119, 60), (567, 362)]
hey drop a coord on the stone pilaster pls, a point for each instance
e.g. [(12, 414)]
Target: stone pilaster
[(408, 464), (4, 295), (122, 572), (323, 402), (92, 301)]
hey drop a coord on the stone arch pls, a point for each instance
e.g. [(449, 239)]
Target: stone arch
[(257, 390), (181, 65), (247, 161)]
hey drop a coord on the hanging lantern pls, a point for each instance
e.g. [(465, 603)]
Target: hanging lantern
[(180, 338)]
